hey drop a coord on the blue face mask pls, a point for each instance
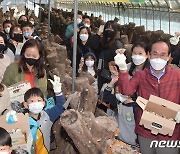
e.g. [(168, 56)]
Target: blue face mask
[(27, 34)]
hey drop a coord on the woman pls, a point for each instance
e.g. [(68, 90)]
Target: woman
[(6, 57), (139, 58), (30, 67), (22, 18), (105, 48), (16, 39), (83, 46)]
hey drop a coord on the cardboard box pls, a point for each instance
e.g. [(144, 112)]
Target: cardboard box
[(21, 139), (158, 114), (18, 90)]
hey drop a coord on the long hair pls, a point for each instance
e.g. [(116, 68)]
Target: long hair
[(106, 43), (146, 63), (40, 63), (78, 35)]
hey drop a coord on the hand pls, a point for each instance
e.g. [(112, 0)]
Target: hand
[(121, 51), (81, 64), (113, 81), (13, 42), (56, 84), (120, 60), (177, 118)]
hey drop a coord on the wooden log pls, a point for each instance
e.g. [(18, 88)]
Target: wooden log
[(76, 128)]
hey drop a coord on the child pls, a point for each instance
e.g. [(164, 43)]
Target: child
[(28, 31), (41, 121), (5, 142)]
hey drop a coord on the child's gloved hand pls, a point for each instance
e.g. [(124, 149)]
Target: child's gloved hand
[(177, 118), (56, 85), (120, 60), (11, 117)]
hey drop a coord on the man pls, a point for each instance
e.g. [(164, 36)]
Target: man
[(70, 28), (86, 21), (160, 80), (7, 24)]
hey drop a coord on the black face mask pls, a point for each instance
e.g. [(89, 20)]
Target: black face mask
[(109, 33), (18, 37), (31, 61), (2, 48)]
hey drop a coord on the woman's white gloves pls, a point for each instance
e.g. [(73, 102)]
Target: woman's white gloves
[(177, 118), (120, 60), (56, 85)]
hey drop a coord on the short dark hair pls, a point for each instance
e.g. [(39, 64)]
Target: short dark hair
[(26, 24), (40, 63), (5, 138), (7, 22), (158, 41), (86, 16), (33, 92)]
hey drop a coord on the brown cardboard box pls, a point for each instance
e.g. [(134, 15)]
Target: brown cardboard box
[(23, 138), (158, 114)]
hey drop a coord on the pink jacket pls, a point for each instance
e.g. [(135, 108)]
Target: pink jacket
[(145, 84)]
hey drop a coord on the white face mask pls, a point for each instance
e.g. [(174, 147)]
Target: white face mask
[(86, 25), (158, 63), (7, 30), (79, 20), (89, 63), (121, 98), (138, 60), (36, 107), (84, 37), (32, 22)]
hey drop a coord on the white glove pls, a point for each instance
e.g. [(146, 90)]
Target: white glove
[(56, 84), (177, 118), (120, 60), (174, 40)]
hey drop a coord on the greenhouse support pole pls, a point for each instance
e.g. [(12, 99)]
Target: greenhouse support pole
[(74, 45), (49, 17)]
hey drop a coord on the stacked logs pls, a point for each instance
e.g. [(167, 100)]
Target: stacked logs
[(78, 130)]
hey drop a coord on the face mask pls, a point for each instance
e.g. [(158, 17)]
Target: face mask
[(27, 34), (158, 63), (2, 48), (138, 60), (89, 63), (86, 25), (31, 61), (83, 37), (121, 98), (7, 30), (32, 22), (18, 37), (79, 20), (36, 107), (109, 33)]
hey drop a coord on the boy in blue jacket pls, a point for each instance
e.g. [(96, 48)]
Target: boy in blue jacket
[(41, 121)]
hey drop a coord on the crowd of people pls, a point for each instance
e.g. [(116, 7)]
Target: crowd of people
[(102, 55)]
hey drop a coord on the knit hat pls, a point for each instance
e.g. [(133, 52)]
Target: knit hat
[(90, 54)]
